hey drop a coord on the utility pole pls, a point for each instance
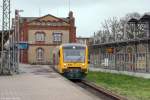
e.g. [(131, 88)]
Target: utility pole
[(69, 5), (5, 31), (17, 33)]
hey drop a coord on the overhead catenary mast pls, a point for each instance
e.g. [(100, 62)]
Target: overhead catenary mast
[(69, 5), (39, 12), (8, 46), (5, 32)]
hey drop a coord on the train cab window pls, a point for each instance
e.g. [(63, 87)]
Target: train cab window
[(74, 54)]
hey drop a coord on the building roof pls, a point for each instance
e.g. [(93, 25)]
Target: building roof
[(144, 18), (84, 37), (27, 18), (134, 20), (30, 19), (72, 44), (66, 19), (121, 42)]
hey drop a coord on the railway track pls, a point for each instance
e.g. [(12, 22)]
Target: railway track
[(99, 91)]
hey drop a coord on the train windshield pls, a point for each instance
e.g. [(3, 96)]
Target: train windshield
[(74, 54)]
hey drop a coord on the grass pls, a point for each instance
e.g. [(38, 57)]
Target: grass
[(131, 87)]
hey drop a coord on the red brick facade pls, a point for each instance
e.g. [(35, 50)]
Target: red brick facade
[(72, 27), (25, 26), (24, 38)]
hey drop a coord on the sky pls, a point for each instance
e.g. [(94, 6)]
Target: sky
[(89, 14)]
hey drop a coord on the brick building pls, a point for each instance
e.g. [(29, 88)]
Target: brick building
[(40, 35), (84, 40)]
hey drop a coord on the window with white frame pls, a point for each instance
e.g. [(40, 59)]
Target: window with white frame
[(40, 54), (40, 36), (57, 37)]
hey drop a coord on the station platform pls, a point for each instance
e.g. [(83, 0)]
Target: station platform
[(40, 82)]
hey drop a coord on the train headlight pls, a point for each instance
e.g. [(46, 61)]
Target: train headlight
[(65, 64), (83, 64)]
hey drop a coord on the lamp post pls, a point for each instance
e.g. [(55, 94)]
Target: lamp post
[(17, 33)]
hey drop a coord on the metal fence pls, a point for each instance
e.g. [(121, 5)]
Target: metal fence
[(135, 62), (8, 62)]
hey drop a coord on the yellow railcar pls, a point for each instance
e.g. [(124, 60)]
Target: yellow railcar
[(71, 60)]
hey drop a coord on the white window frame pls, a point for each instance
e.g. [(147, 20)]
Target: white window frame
[(39, 36), (57, 37)]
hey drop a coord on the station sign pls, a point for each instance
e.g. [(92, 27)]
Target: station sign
[(23, 45)]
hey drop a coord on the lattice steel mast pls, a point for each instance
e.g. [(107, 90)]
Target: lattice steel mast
[(7, 41), (5, 32)]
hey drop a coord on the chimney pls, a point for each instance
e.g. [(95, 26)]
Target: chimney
[(72, 27), (71, 18)]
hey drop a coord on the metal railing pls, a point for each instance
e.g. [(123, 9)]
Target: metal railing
[(135, 62)]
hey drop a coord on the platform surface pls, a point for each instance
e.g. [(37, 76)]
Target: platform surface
[(40, 82)]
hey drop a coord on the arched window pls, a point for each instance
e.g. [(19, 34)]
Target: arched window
[(40, 54), (40, 36)]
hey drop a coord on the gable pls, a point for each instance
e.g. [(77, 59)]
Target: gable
[(47, 18)]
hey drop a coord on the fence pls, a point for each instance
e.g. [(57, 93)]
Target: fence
[(8, 62), (135, 62)]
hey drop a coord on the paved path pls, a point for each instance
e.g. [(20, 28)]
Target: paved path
[(40, 83)]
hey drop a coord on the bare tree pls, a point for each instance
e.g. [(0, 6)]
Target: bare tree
[(111, 28), (114, 29), (129, 29)]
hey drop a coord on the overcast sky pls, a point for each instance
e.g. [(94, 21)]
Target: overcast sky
[(89, 14)]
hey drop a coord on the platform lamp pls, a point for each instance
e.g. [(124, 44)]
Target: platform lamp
[(17, 34)]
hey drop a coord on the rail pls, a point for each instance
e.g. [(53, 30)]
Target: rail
[(100, 91)]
